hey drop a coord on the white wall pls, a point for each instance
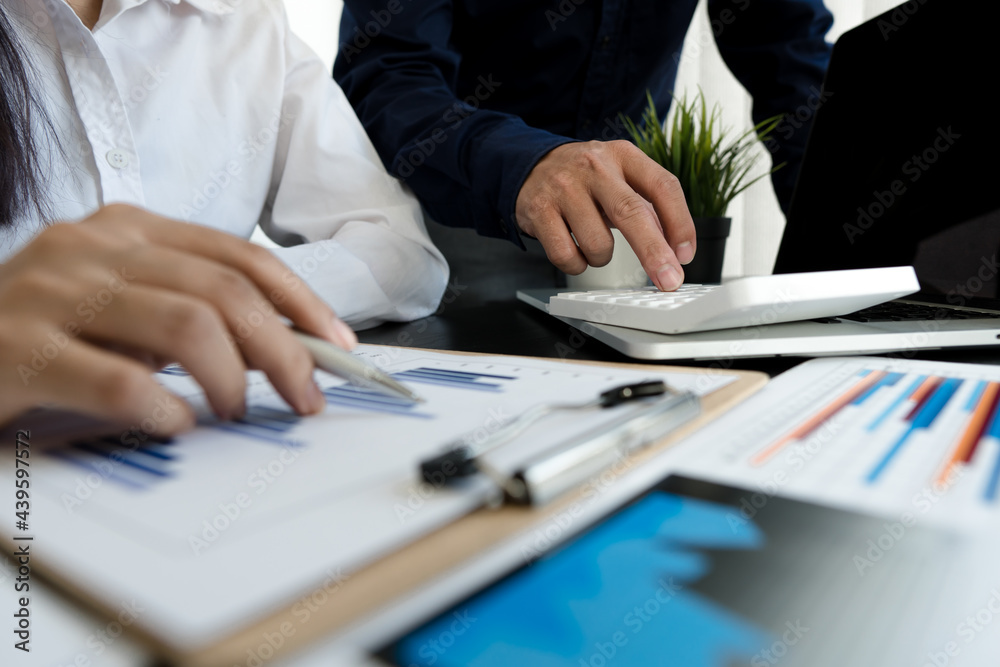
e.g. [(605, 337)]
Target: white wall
[(317, 22), (757, 219)]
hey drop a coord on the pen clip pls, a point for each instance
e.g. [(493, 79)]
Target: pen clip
[(631, 392)]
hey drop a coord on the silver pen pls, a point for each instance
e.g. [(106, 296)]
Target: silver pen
[(559, 468), (358, 372), (571, 463)]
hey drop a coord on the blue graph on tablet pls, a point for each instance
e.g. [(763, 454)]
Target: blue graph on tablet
[(619, 594)]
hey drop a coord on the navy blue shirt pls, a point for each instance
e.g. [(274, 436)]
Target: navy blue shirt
[(462, 98)]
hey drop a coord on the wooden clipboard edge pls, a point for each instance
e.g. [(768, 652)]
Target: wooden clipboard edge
[(371, 588), (377, 584)]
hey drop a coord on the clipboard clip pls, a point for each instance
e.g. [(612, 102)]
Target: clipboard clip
[(570, 463)]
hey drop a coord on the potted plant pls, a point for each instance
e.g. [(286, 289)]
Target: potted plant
[(711, 170)]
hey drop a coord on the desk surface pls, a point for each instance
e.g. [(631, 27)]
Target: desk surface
[(512, 327)]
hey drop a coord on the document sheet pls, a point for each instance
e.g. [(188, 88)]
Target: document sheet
[(221, 526), (875, 434)]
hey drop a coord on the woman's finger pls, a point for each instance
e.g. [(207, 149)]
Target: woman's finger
[(250, 319), (289, 293), (109, 386), (164, 323)]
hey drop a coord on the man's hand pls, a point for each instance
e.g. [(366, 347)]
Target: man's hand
[(87, 309), (583, 188)]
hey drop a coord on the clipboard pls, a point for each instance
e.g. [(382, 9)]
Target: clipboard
[(423, 560)]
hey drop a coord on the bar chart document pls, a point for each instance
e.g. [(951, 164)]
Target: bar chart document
[(220, 527), (914, 443), (885, 435)]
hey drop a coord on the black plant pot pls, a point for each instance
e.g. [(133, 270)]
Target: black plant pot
[(706, 267)]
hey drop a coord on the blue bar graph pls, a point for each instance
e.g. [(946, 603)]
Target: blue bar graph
[(897, 402), (451, 378), (136, 458), (133, 466), (977, 393), (264, 424), (889, 380), (993, 483), (142, 466), (992, 490), (349, 396), (923, 419)]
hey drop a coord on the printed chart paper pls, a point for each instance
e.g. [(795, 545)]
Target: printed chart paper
[(221, 526)]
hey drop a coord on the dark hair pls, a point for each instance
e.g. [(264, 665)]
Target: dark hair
[(20, 181)]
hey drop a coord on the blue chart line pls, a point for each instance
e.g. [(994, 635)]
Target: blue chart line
[(977, 393), (889, 380), (992, 490), (922, 420), (349, 396), (140, 466), (993, 485), (135, 467), (457, 379), (897, 402), (265, 424)]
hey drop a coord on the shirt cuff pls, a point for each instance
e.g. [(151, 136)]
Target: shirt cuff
[(341, 279), (518, 148)]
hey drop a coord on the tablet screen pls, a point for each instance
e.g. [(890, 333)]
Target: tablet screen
[(696, 574)]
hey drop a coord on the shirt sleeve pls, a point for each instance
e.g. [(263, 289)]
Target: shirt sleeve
[(362, 244), (778, 51), (467, 164)]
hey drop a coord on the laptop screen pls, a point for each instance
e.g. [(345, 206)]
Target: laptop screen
[(901, 165)]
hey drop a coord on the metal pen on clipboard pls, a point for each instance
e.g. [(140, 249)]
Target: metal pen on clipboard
[(574, 461), (570, 463)]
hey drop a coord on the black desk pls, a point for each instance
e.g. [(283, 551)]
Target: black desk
[(511, 327)]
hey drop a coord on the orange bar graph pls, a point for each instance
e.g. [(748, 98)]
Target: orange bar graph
[(925, 386), (922, 393), (817, 419), (962, 451)]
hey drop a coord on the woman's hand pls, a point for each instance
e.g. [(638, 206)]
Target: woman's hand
[(84, 305)]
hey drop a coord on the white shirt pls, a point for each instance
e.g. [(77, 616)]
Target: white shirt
[(212, 111)]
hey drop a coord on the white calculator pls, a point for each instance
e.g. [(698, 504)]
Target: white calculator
[(741, 302)]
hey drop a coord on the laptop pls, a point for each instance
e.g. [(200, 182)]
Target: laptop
[(900, 169)]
